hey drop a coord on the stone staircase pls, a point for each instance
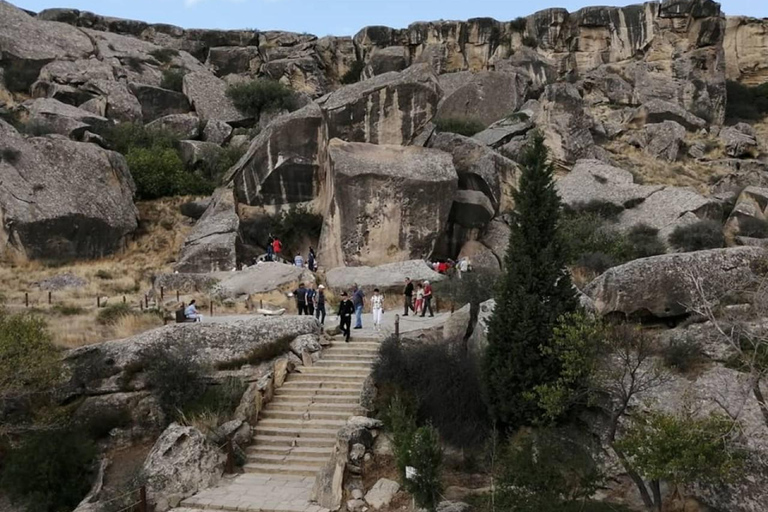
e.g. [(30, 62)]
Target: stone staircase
[(295, 434)]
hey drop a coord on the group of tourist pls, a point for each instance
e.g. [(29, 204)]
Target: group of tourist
[(298, 260), (449, 266), (311, 301), (423, 301), (355, 306)]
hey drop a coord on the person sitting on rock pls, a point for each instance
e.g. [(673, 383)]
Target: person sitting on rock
[(191, 313), (346, 310)]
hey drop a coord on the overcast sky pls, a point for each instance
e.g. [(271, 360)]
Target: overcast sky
[(331, 17)]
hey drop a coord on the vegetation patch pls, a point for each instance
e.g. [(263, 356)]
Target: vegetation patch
[(753, 227), (746, 102), (683, 355), (354, 73), (262, 95), (109, 315), (260, 354), (174, 377), (68, 309), (173, 80), (699, 236), (462, 126), (164, 55)]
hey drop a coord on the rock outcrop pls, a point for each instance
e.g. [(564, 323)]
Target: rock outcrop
[(485, 97), (389, 277), (386, 203), (660, 286), (43, 182)]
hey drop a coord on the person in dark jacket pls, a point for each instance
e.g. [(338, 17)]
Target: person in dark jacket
[(301, 299), (311, 300), (346, 310), (311, 259), (320, 304), (408, 296)]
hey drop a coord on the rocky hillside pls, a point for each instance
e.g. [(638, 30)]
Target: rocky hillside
[(630, 94)]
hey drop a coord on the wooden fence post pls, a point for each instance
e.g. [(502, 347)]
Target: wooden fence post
[(146, 301), (26, 299), (397, 327), (50, 298), (177, 296), (162, 293), (230, 466), (98, 301), (123, 299), (211, 308), (143, 499)]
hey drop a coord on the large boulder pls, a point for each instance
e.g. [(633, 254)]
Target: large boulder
[(478, 341), (282, 164), (225, 60), (61, 199), (565, 123), (504, 131), (208, 95), (659, 111), (157, 102), (593, 180), (382, 493), (262, 278), (183, 126), (388, 109), (390, 277), (480, 169), (212, 244), (181, 462), (740, 141), (660, 286), (386, 60), (664, 140), (752, 203), (52, 116), (480, 255), (386, 203), (496, 238), (113, 100), (217, 132), (196, 152), (486, 96), (471, 209)]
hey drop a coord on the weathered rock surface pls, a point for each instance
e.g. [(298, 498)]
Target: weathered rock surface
[(746, 49), (217, 132), (388, 109), (183, 126), (42, 186), (52, 116), (480, 169), (455, 328), (212, 244), (157, 102), (196, 152), (664, 140), (659, 111), (752, 203), (496, 238), (593, 180), (195, 209), (387, 203), (482, 257), (208, 95), (485, 96), (564, 122), (113, 100), (282, 164), (471, 209), (740, 141), (478, 341), (262, 278), (62, 281), (382, 493), (181, 462), (659, 286), (386, 277)]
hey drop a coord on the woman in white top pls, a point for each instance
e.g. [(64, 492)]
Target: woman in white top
[(377, 303)]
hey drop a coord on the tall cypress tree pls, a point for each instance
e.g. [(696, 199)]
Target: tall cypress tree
[(536, 289)]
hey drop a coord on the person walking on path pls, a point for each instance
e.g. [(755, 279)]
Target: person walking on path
[(320, 304), (277, 247), (311, 300), (419, 299), (270, 248), (346, 309), (301, 299), (408, 296), (427, 299), (190, 313), (358, 299), (377, 304), (311, 258)]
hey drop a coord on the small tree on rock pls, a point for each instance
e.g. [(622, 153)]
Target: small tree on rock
[(535, 291)]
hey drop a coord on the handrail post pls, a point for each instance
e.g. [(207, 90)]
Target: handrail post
[(143, 499), (230, 467), (397, 326)]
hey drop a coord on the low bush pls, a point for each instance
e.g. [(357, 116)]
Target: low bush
[(160, 173), (29, 362), (704, 234), (50, 471), (746, 102), (444, 384), (519, 24), (104, 274), (259, 354), (164, 55), (109, 315), (173, 80), (461, 126), (124, 137), (354, 73), (68, 309), (221, 399), (683, 355), (586, 233), (98, 426), (426, 457), (174, 376), (214, 166), (753, 227), (644, 241), (603, 209), (262, 95), (134, 63), (597, 262)]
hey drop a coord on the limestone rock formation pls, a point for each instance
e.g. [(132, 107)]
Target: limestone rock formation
[(42, 186), (207, 94), (51, 116), (564, 123), (593, 180), (746, 49), (482, 257), (496, 238), (664, 140), (485, 96), (752, 203), (386, 203), (740, 141), (157, 102), (389, 277), (382, 493), (212, 244), (181, 462), (659, 286), (183, 126)]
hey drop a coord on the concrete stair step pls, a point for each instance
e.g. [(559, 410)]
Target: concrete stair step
[(277, 469), (297, 431), (328, 393), (322, 385), (327, 377), (287, 405), (305, 415), (341, 363), (286, 441), (301, 423), (302, 451), (341, 371), (265, 458)]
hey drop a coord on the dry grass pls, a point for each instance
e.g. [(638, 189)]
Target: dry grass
[(125, 276)]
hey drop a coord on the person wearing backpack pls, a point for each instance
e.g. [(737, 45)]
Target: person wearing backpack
[(346, 310)]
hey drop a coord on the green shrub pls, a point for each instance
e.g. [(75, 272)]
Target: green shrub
[(134, 63), (354, 73), (220, 399), (123, 137), (530, 41), (683, 355), (426, 457), (586, 233), (753, 227), (49, 471), (103, 274), (68, 309), (173, 80), (442, 381), (215, 162), (262, 95), (401, 423), (110, 314), (643, 242), (746, 102), (704, 234), (98, 426), (174, 376), (29, 362), (159, 172), (164, 55), (462, 126), (603, 209)]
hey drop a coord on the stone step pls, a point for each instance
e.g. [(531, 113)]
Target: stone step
[(285, 441), (302, 451), (319, 423), (296, 431), (278, 469), (339, 394), (292, 459), (360, 359), (341, 363), (357, 342), (321, 375), (345, 371), (287, 405), (306, 414), (323, 385)]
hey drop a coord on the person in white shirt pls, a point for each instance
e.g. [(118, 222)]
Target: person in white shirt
[(191, 313), (377, 303)]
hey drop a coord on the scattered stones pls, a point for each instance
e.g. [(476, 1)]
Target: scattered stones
[(62, 281), (382, 493), (740, 141)]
